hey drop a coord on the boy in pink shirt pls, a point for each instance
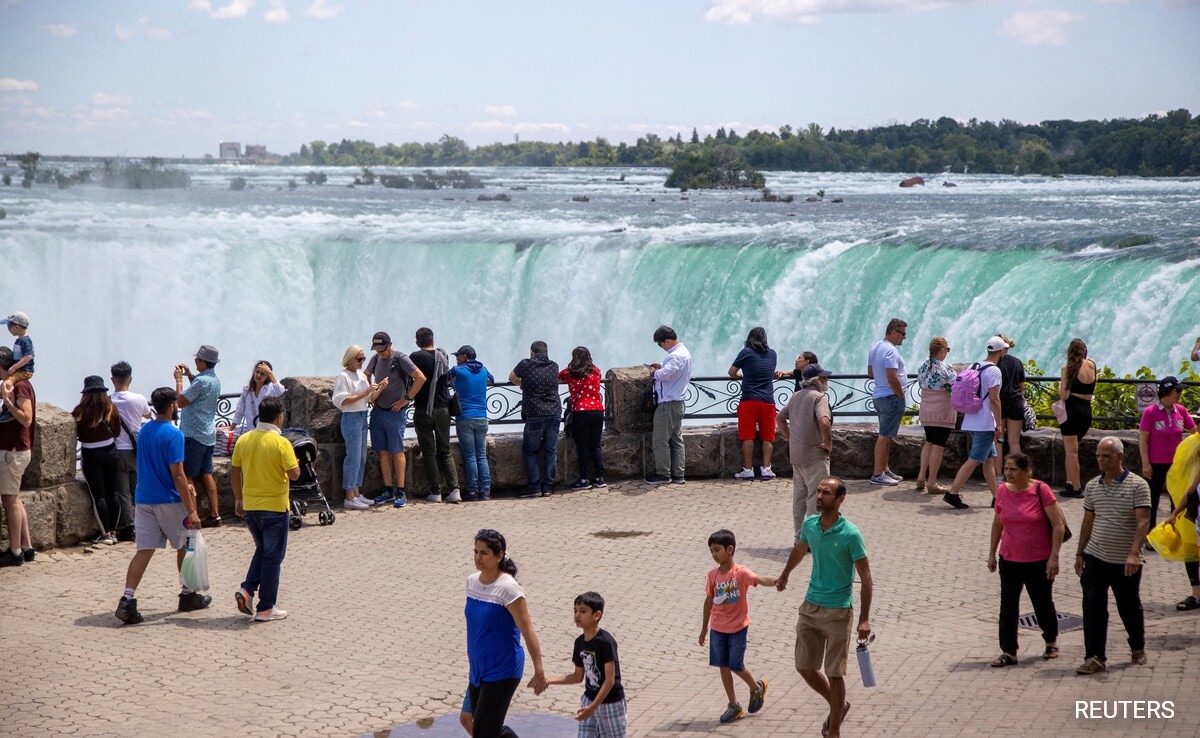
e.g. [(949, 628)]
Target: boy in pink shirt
[(728, 611)]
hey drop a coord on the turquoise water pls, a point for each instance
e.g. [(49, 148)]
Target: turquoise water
[(295, 277)]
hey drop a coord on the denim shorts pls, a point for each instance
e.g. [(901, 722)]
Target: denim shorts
[(728, 649), (197, 458), (890, 410), (983, 446), (387, 430)]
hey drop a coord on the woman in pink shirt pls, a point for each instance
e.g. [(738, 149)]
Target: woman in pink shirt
[(1028, 527), (1159, 434)]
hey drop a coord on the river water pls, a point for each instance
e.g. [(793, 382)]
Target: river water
[(296, 276)]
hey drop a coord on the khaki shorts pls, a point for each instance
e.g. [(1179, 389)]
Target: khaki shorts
[(155, 525), (12, 467), (823, 634)]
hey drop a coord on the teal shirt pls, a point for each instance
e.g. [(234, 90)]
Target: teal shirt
[(834, 552)]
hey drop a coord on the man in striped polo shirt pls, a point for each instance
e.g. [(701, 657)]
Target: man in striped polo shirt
[(1116, 517)]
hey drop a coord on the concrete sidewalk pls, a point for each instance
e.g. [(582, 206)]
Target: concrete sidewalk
[(376, 636)]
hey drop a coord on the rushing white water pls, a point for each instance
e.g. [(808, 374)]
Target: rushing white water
[(296, 276)]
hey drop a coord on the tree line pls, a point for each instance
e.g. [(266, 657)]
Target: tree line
[(1157, 145)]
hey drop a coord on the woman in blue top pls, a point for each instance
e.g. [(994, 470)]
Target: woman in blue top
[(471, 380), (497, 617)]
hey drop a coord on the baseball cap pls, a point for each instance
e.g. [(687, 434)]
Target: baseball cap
[(996, 343), (466, 350), (1170, 383), (18, 318), (380, 340), (814, 370)]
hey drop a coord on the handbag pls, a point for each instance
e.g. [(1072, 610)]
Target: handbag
[(1059, 408), (1066, 526), (568, 418), (649, 398)]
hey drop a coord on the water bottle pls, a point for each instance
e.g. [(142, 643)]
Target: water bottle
[(864, 662)]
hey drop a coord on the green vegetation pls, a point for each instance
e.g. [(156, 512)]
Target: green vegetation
[(315, 178), (429, 180), (237, 184), (721, 168), (148, 176), (1158, 145)]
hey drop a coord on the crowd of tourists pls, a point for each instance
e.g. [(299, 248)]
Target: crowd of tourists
[(144, 460)]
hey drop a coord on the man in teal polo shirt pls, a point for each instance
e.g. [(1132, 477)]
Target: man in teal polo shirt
[(823, 628)]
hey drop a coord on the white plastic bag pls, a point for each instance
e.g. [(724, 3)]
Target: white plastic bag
[(193, 573)]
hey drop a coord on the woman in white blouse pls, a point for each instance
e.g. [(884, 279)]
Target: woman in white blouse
[(262, 385), (352, 394)]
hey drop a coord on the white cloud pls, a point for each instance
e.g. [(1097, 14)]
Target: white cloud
[(741, 12), (277, 13), (143, 28), (60, 30), (320, 10), (101, 98), (1040, 27), (234, 9), (8, 84), (505, 111), (498, 126)]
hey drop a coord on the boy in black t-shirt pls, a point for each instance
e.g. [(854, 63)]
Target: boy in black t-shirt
[(602, 707)]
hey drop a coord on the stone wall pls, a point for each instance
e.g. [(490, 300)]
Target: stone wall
[(61, 513)]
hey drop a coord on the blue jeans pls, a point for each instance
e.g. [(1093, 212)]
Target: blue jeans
[(354, 433), (472, 441), (541, 433), (269, 530)]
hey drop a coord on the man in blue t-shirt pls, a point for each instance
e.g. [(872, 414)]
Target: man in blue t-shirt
[(886, 366), (198, 421), (165, 504)]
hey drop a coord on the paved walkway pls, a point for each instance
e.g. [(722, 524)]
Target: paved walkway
[(376, 635)]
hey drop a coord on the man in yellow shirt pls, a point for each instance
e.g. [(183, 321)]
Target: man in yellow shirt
[(263, 462)]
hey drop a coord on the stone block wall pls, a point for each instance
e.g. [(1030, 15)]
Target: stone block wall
[(61, 513)]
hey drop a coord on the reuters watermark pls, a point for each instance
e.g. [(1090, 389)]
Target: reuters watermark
[(1124, 709)]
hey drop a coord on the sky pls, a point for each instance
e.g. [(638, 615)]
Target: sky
[(176, 77)]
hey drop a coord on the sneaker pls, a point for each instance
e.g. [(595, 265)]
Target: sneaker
[(765, 472), (678, 480), (8, 558), (127, 535), (892, 475), (432, 497), (1071, 492), (267, 616), (454, 497), (745, 473), (581, 484), (657, 479), (954, 501), (357, 503), (548, 491), (599, 483), (883, 480), (193, 601), (1139, 657), (384, 497), (399, 500), (485, 496), (127, 611), (28, 554), (1091, 665), (733, 712), (470, 497), (245, 601), (108, 539), (530, 493), (756, 697), (212, 521)]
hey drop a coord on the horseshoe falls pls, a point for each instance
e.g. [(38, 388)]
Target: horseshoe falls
[(296, 276)]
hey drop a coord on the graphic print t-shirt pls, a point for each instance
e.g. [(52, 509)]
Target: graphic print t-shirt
[(728, 590), (593, 655)]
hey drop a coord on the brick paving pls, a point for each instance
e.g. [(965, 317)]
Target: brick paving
[(376, 635)]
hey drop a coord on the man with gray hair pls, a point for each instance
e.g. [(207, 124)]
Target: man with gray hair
[(1116, 517), (806, 424)]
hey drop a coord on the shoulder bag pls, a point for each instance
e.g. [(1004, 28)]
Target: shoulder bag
[(1066, 526)]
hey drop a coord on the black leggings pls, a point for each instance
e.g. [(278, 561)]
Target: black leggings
[(588, 426), (100, 469), (1030, 576), (489, 706)]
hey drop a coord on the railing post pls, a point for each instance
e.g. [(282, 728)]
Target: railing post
[(625, 387)]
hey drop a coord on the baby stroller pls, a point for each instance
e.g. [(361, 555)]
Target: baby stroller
[(305, 490)]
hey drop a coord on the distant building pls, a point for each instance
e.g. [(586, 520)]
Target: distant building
[(231, 150), (255, 152)]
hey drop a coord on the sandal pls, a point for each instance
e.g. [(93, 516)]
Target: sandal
[(1190, 603), (1051, 652), (825, 725), (1003, 660), (920, 485)]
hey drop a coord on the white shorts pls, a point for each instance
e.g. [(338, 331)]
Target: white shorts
[(155, 525), (12, 467)]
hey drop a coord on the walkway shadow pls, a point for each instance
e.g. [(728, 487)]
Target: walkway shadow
[(108, 620), (779, 555), (205, 622), (906, 495), (525, 724), (942, 508)]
